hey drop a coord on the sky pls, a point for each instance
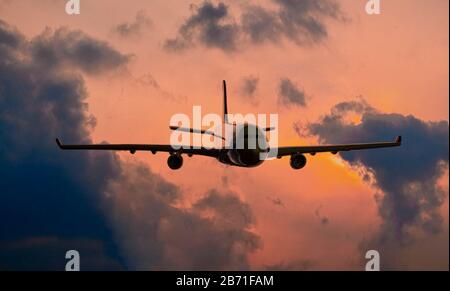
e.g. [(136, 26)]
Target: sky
[(119, 70)]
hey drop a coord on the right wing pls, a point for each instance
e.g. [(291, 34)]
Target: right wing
[(287, 151), (133, 148)]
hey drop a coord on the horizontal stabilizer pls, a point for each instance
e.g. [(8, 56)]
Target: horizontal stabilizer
[(193, 130)]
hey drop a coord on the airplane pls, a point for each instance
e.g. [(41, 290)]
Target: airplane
[(246, 156)]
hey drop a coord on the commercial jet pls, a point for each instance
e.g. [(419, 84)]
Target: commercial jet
[(229, 154)]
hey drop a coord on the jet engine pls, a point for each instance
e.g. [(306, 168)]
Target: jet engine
[(175, 162), (298, 161)]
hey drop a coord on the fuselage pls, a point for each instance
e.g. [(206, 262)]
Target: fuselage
[(246, 146)]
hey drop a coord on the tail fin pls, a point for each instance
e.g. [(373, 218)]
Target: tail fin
[(225, 105)]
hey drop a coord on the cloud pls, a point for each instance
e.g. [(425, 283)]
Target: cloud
[(294, 265), (290, 95), (73, 48), (299, 21), (116, 214), (9, 36), (248, 88), (276, 201), (324, 220), (134, 28), (207, 25), (45, 193), (261, 25), (407, 177), (38, 253), (214, 234)]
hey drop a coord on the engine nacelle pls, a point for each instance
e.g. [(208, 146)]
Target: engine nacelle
[(298, 161), (175, 162)]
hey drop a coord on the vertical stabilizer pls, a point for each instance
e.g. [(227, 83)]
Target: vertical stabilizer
[(225, 105)]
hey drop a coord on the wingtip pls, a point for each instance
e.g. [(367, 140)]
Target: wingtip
[(58, 142), (399, 139)]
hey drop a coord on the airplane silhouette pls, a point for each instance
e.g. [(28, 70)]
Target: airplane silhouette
[(245, 156)]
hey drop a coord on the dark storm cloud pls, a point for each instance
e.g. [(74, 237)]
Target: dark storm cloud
[(64, 47), (208, 25), (290, 95), (134, 28), (39, 253), (407, 176), (156, 235), (117, 215), (9, 36), (45, 193), (300, 21)]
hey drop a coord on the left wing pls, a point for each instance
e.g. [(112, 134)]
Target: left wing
[(287, 151), (133, 148)]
